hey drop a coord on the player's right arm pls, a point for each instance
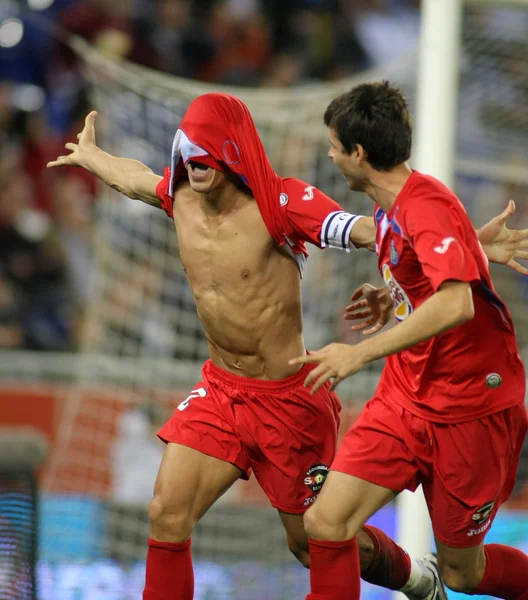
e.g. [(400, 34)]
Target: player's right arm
[(128, 176)]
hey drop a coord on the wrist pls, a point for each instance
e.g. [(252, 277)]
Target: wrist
[(91, 157), (367, 350)]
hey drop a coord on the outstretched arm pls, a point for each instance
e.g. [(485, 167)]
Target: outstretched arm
[(128, 176)]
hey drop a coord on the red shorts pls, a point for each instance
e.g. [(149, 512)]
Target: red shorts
[(467, 470), (275, 428)]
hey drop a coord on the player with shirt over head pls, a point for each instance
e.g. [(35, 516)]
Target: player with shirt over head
[(449, 410), (241, 231)]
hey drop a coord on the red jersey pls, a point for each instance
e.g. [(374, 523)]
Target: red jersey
[(473, 369)]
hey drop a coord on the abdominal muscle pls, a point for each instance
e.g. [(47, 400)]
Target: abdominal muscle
[(247, 290), (251, 333)]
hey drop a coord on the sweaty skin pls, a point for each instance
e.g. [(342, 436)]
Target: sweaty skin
[(247, 291)]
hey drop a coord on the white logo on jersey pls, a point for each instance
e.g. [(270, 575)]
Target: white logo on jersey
[(446, 242), (309, 195), (283, 199), (402, 305)]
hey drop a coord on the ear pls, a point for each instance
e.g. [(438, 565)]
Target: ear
[(361, 154)]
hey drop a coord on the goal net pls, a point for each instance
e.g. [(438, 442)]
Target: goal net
[(143, 344)]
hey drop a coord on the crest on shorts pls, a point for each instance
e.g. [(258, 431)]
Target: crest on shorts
[(483, 513), (315, 477), (394, 256), (283, 199)]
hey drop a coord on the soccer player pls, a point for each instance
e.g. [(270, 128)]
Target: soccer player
[(241, 231), (449, 409)]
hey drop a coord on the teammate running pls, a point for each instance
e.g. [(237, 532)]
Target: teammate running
[(449, 409)]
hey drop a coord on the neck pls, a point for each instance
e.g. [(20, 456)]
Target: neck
[(222, 200), (384, 186)]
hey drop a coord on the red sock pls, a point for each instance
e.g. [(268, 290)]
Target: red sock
[(391, 565), (170, 573), (506, 574), (334, 570)]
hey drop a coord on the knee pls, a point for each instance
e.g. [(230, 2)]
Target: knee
[(168, 522), (458, 579), (320, 526)]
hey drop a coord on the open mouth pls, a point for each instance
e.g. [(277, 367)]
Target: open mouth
[(197, 170)]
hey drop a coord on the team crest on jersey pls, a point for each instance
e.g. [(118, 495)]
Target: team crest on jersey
[(483, 513), (394, 256), (283, 199), (315, 477), (402, 305)]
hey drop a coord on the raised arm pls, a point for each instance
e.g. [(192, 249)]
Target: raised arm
[(128, 176)]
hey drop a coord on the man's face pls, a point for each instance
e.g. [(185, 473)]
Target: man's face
[(347, 164), (204, 179)]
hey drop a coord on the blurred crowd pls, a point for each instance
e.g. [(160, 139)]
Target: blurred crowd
[(46, 217)]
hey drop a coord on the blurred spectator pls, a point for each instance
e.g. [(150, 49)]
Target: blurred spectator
[(32, 259), (136, 455), (242, 44)]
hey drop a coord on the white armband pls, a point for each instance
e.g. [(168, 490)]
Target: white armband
[(335, 232)]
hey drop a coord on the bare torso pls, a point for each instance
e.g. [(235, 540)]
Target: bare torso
[(247, 290)]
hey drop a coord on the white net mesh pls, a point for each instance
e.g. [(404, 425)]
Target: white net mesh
[(143, 343)]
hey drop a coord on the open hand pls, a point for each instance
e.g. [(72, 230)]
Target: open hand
[(372, 304), (335, 361), (503, 245), (86, 138)]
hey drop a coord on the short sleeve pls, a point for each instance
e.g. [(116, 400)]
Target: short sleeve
[(163, 194), (438, 233), (314, 217)]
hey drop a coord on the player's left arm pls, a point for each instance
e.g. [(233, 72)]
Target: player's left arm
[(339, 361)]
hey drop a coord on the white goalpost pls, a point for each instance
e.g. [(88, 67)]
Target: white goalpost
[(435, 115)]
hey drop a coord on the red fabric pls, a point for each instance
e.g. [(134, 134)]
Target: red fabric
[(334, 570), (424, 240), (275, 428), (222, 125), (169, 574), (506, 574), (390, 566), (467, 470)]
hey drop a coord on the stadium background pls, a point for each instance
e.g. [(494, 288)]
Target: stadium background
[(98, 332)]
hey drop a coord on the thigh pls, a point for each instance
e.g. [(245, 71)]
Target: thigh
[(475, 464), (204, 422), (189, 481), (381, 447), (295, 447)]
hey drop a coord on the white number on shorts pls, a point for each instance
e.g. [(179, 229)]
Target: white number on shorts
[(199, 393)]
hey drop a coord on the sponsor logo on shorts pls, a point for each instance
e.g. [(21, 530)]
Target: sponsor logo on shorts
[(479, 530), (283, 199), (315, 477), (482, 513), (402, 305)]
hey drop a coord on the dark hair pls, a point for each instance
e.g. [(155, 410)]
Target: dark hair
[(375, 116)]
